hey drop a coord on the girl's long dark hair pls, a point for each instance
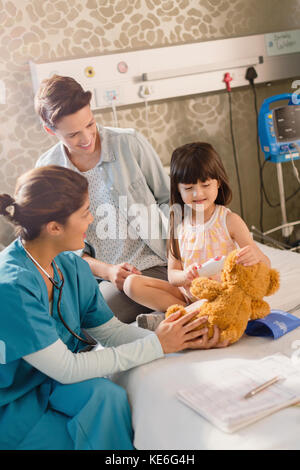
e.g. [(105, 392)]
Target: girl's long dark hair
[(190, 163)]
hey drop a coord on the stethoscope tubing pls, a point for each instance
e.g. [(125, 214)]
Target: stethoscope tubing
[(59, 286), (90, 343)]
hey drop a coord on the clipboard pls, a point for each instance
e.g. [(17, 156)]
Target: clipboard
[(221, 399)]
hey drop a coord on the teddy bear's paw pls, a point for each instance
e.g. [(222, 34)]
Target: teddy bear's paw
[(203, 288), (259, 309), (199, 283), (175, 308)]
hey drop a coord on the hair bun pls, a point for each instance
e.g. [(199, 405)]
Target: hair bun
[(7, 205)]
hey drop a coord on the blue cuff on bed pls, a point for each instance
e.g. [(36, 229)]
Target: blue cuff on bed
[(276, 324)]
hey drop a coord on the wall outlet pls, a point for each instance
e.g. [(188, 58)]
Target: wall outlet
[(145, 91), (111, 94)]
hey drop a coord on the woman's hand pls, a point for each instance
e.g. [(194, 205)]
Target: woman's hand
[(177, 333), (119, 272)]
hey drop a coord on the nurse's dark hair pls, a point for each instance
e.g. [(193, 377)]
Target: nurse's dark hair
[(58, 97), (42, 195), (190, 163)]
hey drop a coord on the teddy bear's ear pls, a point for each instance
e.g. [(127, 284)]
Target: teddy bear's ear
[(230, 262), (274, 282)]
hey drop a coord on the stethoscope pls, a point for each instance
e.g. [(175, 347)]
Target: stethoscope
[(59, 286)]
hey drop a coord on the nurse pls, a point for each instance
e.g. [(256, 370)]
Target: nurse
[(54, 390)]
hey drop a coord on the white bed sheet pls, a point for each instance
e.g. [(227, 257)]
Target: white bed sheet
[(162, 422)]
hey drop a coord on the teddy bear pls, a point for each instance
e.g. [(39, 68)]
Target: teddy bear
[(230, 304)]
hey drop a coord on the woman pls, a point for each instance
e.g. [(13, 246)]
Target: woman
[(120, 164), (52, 396)]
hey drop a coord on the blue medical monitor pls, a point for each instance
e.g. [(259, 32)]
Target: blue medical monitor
[(279, 129)]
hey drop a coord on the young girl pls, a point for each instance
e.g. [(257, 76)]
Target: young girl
[(206, 229)]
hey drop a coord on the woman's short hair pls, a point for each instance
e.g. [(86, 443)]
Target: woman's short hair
[(58, 97), (42, 195)]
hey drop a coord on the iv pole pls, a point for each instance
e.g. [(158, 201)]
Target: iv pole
[(287, 228), (270, 146)]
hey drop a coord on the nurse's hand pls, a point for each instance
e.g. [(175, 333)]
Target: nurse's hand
[(177, 333), (119, 272)]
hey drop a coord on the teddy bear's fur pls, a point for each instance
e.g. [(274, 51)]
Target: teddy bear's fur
[(235, 300)]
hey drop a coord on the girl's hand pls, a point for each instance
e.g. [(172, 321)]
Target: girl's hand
[(177, 333), (248, 255), (191, 273)]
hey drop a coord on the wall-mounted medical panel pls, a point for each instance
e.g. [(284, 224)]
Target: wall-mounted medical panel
[(168, 72)]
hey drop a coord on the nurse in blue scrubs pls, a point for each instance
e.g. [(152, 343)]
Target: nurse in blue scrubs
[(54, 390)]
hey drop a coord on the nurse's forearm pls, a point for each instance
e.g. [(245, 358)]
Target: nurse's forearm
[(98, 268), (114, 333), (59, 363)]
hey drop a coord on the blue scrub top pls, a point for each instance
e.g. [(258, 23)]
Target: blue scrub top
[(26, 326)]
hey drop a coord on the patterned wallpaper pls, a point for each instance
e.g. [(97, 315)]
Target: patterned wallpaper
[(45, 30)]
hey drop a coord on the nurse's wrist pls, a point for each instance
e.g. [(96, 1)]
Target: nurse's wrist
[(109, 268), (103, 270), (98, 268)]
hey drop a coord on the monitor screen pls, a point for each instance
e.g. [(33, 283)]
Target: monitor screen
[(287, 123)]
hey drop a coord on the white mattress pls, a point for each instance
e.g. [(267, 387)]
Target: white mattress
[(161, 421)]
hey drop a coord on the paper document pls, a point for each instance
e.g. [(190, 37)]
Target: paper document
[(221, 399)]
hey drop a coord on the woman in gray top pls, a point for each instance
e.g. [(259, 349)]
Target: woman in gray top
[(128, 189)]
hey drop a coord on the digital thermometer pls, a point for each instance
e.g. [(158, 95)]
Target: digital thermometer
[(212, 266)]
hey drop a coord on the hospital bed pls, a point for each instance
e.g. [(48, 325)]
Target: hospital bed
[(162, 422)]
